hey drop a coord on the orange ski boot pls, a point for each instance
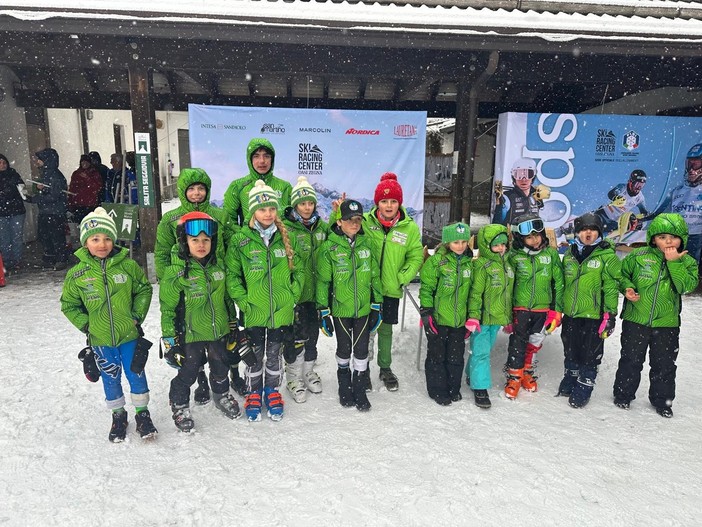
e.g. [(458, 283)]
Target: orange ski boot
[(514, 382)]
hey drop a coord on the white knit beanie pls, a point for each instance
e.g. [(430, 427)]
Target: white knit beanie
[(96, 222), (261, 195)]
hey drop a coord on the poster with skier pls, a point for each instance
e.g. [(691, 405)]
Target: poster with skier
[(624, 168)]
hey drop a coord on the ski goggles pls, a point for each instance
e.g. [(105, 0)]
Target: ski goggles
[(195, 227), (523, 173), (527, 227), (694, 163)]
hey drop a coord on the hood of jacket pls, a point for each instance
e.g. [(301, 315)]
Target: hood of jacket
[(190, 176), (668, 223), (485, 236), (254, 145), (49, 157)]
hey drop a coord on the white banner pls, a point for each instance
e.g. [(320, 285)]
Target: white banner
[(337, 150)]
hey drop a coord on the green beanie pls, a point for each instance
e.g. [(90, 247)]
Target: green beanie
[(455, 232), (500, 239), (261, 195)]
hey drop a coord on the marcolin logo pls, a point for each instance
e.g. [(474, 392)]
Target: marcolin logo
[(220, 126), (353, 131), (315, 130), (270, 128), (405, 131), (310, 160)]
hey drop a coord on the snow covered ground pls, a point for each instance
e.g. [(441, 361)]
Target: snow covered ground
[(409, 462)]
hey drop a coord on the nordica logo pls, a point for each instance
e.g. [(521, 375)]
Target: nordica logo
[(405, 131), (270, 128), (353, 131)]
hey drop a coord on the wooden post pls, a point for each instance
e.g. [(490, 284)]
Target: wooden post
[(144, 121)]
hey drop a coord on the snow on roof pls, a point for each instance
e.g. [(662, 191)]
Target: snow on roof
[(552, 26)]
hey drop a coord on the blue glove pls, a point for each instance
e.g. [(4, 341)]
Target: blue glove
[(172, 352), (325, 322), (374, 317)]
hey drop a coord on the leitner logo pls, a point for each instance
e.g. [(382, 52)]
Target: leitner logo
[(405, 130), (353, 131)]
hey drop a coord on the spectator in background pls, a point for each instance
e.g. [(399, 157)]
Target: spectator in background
[(113, 189), (96, 161), (84, 189), (12, 214), (51, 201)]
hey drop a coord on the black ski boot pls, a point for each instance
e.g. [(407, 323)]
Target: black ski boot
[(389, 379), (442, 400), (369, 384), (144, 425), (482, 399), (237, 383), (226, 404), (665, 411), (343, 375), (570, 376), (182, 417), (202, 392), (359, 390), (118, 430)]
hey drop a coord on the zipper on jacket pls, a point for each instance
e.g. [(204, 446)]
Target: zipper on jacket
[(458, 286), (355, 282), (577, 286), (103, 266), (209, 298), (655, 293), (270, 283), (533, 281)]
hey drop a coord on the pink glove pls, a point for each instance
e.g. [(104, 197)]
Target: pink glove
[(553, 320), (509, 329), (473, 325)]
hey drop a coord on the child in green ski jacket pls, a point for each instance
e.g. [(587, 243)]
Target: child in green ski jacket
[(194, 192), (537, 300), (654, 278), (592, 273), (265, 278), (349, 290), (195, 318), (489, 307), (309, 231), (446, 279), (106, 296)]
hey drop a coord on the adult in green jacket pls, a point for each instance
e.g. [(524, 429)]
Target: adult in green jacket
[(260, 158), (653, 280), (192, 199), (397, 245), (592, 271), (446, 280), (489, 306)]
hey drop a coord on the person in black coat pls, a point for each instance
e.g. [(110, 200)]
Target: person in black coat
[(12, 213), (51, 201)]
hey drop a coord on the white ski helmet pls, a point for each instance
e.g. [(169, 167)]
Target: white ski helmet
[(523, 168), (693, 166)]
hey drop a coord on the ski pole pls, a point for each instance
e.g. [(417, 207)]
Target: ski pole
[(49, 186)]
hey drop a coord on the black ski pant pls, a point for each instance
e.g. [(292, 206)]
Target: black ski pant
[(582, 346), (525, 323), (268, 347), (444, 363), (305, 331), (52, 236), (197, 354), (352, 336), (662, 345)]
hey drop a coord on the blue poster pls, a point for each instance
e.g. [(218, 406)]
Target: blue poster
[(624, 168)]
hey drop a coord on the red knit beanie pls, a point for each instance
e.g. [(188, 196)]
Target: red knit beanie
[(388, 188)]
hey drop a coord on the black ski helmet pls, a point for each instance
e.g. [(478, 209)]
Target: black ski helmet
[(533, 224), (588, 220)]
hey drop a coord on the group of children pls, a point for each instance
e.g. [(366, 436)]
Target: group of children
[(529, 291), (267, 255)]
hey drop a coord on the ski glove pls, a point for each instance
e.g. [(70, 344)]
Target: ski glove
[(233, 336), (90, 367), (325, 322), (172, 352), (426, 320), (244, 350), (553, 320), (609, 320), (509, 329), (141, 353), (472, 326), (374, 317)]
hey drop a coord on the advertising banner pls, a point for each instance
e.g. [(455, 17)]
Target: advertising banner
[(624, 168), (336, 150)]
